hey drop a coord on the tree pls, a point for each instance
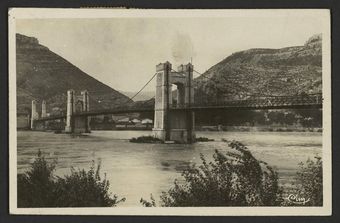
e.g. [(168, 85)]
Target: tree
[(236, 178)]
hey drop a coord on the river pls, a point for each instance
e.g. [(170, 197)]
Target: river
[(137, 170)]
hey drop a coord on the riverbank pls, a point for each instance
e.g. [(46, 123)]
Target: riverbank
[(214, 128), (258, 128)]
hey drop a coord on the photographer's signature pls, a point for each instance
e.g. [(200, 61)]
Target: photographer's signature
[(296, 199)]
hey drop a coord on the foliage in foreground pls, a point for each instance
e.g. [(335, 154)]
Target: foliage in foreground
[(36, 185), (309, 179), (39, 187), (236, 178)]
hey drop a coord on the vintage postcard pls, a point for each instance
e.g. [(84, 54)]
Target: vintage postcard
[(170, 112)]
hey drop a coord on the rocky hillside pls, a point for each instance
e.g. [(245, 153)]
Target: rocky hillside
[(44, 75), (286, 71)]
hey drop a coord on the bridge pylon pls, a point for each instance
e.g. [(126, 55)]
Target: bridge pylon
[(69, 111), (77, 104), (34, 114), (36, 124), (86, 107), (43, 109), (171, 124)]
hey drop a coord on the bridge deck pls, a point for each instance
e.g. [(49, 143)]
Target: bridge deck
[(256, 103), (194, 107)]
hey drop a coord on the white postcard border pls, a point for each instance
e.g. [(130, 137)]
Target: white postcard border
[(44, 13)]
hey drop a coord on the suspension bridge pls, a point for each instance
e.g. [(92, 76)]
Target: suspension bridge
[(174, 120)]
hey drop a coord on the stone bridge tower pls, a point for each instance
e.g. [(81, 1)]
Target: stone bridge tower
[(35, 124), (43, 109), (75, 105), (34, 114), (174, 122)]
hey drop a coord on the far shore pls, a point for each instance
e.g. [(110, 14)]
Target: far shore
[(221, 128), (259, 128)]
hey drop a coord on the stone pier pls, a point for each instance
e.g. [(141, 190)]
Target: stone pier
[(174, 122), (69, 112), (43, 109), (34, 114), (86, 107), (75, 105)]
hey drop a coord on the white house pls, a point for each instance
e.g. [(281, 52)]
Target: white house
[(147, 121)]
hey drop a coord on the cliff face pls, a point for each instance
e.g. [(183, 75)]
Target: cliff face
[(44, 75), (286, 71)]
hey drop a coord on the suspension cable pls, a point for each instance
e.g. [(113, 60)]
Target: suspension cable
[(131, 98), (143, 87)]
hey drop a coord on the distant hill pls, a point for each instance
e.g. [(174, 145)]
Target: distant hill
[(44, 75), (142, 96), (286, 71)]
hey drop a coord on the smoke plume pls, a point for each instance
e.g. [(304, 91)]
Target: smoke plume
[(182, 48)]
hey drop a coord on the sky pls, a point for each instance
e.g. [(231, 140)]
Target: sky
[(123, 52)]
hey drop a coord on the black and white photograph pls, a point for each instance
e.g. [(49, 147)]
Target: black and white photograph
[(170, 112)]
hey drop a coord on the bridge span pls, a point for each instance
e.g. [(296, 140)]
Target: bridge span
[(172, 121), (282, 102)]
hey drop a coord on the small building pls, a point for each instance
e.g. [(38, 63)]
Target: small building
[(123, 123), (147, 121), (117, 118), (136, 121), (123, 120)]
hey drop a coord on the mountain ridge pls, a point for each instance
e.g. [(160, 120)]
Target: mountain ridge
[(44, 75), (263, 71)]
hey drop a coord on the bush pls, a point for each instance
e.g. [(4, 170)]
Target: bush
[(309, 179), (232, 179), (40, 188), (146, 203), (35, 186), (84, 189)]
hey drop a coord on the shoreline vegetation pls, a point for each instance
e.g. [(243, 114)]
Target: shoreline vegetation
[(234, 178), (214, 128), (203, 139), (146, 139), (152, 139)]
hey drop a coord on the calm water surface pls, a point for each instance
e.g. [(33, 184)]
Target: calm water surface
[(137, 170)]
